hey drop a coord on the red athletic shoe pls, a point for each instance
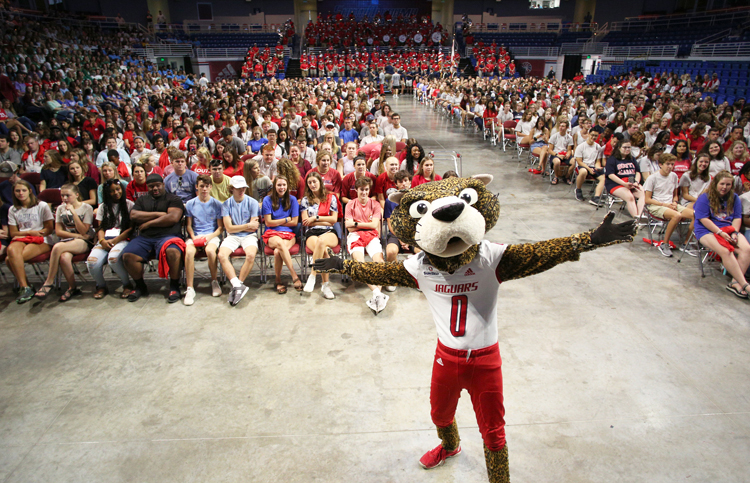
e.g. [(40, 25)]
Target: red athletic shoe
[(437, 456), (535, 171)]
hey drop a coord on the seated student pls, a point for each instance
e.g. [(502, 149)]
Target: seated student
[(425, 173), (76, 235), (623, 179), (745, 199), (203, 162), (718, 212), (30, 223), (345, 165), (181, 182), (296, 183), (588, 158), (386, 181), (662, 201), (319, 210), (450, 174), (240, 214), (303, 166), (221, 187), (157, 216), (123, 169), (649, 163), (109, 171), (54, 172), (695, 181), (257, 142), (394, 246), (86, 185), (348, 192), (137, 187), (258, 184), (113, 233), (281, 214), (267, 162), (560, 150), (204, 223), (331, 177), (233, 166), (363, 216)]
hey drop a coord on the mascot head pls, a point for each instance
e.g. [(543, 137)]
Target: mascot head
[(447, 219)]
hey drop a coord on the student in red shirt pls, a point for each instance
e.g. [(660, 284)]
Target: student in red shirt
[(386, 181), (331, 177)]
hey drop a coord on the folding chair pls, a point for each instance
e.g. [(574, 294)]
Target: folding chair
[(52, 197), (34, 179), (490, 131), (508, 131), (294, 251), (339, 250), (704, 254)]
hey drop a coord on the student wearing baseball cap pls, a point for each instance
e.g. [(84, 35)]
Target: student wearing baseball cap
[(241, 218), (157, 216)]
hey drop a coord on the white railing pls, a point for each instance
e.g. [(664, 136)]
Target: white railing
[(641, 51), (194, 27), (736, 49), (525, 51), (324, 50), (553, 27), (239, 52), (165, 50)]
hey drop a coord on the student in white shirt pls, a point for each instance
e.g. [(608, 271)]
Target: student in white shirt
[(395, 129), (662, 201), (589, 162)]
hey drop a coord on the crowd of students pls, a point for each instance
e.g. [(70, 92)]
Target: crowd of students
[(670, 152)]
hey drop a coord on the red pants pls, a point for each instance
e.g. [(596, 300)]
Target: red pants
[(481, 375)]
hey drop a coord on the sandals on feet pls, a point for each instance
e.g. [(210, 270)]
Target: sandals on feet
[(70, 293), (126, 291), (280, 288), (297, 283), (554, 181), (101, 293), (741, 293), (42, 293)]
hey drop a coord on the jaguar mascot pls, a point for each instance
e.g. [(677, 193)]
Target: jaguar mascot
[(460, 275)]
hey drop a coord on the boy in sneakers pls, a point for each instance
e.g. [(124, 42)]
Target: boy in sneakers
[(362, 220), (204, 225), (394, 246), (663, 201), (589, 163), (561, 152), (241, 220)]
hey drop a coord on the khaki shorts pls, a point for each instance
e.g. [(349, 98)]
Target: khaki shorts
[(233, 242), (658, 211)]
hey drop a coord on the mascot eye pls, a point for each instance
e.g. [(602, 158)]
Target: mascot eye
[(419, 209), (469, 196)]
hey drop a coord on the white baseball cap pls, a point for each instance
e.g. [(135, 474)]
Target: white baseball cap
[(238, 182)]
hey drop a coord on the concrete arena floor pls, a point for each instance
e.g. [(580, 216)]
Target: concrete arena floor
[(625, 366)]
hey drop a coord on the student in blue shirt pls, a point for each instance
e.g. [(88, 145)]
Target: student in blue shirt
[(204, 225), (241, 221), (181, 181), (281, 215)]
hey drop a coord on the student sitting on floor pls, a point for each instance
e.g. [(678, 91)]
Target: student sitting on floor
[(204, 224), (240, 214)]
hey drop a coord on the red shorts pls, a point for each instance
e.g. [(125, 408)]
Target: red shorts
[(612, 191), (479, 372), (284, 235)]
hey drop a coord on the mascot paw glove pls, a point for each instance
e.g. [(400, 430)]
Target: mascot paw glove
[(332, 264), (607, 233)]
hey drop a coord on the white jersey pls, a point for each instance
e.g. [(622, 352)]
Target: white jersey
[(463, 304)]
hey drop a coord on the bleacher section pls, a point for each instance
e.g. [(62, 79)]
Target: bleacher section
[(734, 76), (685, 38), (571, 37)]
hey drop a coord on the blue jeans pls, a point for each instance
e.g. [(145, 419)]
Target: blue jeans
[(99, 256)]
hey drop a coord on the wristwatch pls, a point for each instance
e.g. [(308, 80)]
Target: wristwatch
[(356, 224), (317, 217)]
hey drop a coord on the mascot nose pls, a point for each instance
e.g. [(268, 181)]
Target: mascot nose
[(449, 212)]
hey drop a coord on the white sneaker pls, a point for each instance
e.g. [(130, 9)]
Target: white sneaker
[(665, 250), (372, 304), (381, 302), (215, 288), (326, 291), (189, 296), (390, 288), (310, 285)]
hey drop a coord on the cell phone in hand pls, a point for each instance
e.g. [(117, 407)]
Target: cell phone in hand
[(631, 179)]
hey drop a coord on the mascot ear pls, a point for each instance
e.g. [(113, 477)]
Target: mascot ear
[(484, 178), (396, 196)]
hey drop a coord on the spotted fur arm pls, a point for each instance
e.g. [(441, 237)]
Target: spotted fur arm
[(390, 273)]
